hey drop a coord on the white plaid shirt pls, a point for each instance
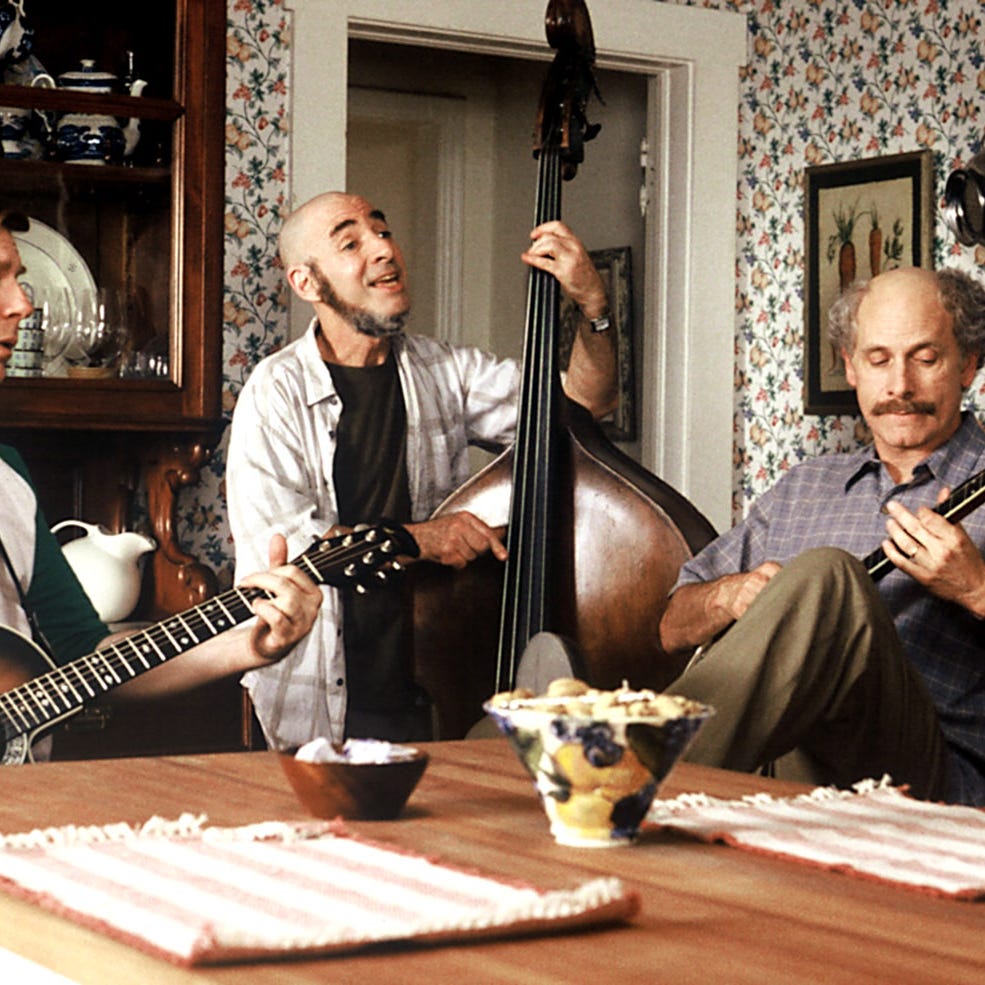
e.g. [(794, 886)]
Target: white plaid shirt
[(279, 479)]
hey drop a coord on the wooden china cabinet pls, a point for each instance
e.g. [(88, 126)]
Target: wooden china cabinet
[(112, 450)]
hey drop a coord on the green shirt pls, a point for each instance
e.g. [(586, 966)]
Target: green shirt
[(64, 613)]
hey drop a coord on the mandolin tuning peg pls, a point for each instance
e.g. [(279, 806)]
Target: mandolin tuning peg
[(349, 570), (396, 566), (369, 558), (348, 540), (380, 576), (361, 589), (361, 526)]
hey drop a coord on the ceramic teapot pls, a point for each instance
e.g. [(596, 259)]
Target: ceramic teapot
[(93, 138), (16, 35), (106, 564)]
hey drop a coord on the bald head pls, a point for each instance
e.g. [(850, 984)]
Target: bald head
[(309, 224)]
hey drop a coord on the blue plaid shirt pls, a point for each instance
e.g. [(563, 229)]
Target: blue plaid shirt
[(836, 501)]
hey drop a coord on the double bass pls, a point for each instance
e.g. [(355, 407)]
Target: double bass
[(595, 541)]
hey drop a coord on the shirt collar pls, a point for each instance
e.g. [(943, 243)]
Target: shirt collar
[(318, 382), (952, 462)]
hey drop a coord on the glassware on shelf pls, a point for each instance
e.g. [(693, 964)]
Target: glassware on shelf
[(152, 362), (57, 321), (100, 337)]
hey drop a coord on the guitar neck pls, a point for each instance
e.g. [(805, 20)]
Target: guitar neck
[(966, 498), (349, 559)]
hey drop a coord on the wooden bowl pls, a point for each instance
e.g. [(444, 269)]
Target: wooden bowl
[(358, 791)]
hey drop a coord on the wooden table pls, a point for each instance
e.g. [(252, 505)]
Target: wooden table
[(709, 913)]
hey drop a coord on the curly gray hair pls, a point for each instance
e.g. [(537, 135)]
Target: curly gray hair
[(961, 295)]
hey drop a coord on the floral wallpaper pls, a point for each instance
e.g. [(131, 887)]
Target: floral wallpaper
[(827, 81)]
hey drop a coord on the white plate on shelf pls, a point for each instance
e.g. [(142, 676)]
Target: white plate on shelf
[(52, 262)]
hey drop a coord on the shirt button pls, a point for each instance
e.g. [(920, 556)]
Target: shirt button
[(333, 398), (331, 434), (339, 682)]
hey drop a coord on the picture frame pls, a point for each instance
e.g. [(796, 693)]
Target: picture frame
[(616, 269), (860, 218)]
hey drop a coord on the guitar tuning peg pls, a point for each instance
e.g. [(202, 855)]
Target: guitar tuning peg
[(361, 589), (380, 576), (349, 570), (361, 526), (396, 566), (348, 540), (369, 557)]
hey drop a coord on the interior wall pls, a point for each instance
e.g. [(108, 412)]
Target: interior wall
[(601, 203)]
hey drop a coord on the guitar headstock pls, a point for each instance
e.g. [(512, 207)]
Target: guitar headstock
[(360, 558)]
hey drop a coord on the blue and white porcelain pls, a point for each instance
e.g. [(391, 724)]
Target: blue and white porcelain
[(14, 123), (94, 138), (16, 33)]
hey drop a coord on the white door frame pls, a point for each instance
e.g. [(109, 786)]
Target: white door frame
[(692, 55)]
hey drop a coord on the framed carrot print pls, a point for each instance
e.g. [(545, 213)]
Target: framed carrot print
[(861, 218)]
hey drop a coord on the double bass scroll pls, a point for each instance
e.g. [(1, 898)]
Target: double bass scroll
[(595, 541)]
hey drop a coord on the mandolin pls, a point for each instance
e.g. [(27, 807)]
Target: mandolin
[(37, 695), (967, 497)]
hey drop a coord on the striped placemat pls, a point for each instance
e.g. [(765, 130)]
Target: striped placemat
[(194, 894), (875, 831)]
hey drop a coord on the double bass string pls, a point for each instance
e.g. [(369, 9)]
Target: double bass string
[(525, 600)]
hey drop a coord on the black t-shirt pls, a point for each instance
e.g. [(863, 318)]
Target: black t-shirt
[(370, 475)]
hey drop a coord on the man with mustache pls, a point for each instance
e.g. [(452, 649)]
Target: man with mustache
[(815, 670), (356, 421)]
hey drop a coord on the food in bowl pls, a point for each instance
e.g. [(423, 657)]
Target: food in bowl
[(596, 757), (364, 779)]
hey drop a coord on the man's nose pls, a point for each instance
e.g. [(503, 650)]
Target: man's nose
[(901, 379), (385, 249), (14, 302)]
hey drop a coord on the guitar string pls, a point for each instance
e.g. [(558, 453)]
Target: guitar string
[(47, 691)]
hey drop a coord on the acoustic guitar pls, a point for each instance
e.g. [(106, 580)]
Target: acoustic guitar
[(36, 695)]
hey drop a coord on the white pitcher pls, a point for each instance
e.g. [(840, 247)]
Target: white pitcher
[(106, 564)]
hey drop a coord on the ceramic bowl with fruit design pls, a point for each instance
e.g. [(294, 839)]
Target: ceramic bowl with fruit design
[(598, 758)]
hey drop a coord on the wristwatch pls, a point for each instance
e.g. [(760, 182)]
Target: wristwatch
[(601, 324)]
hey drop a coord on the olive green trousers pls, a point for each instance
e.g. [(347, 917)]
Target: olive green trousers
[(813, 680)]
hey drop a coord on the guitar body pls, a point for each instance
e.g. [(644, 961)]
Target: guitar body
[(20, 661)]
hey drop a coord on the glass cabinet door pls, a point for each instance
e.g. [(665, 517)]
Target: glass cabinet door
[(112, 118)]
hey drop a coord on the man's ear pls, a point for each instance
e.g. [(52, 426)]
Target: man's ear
[(969, 369), (302, 283), (849, 368)]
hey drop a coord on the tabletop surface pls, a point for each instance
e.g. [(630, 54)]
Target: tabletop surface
[(709, 913)]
